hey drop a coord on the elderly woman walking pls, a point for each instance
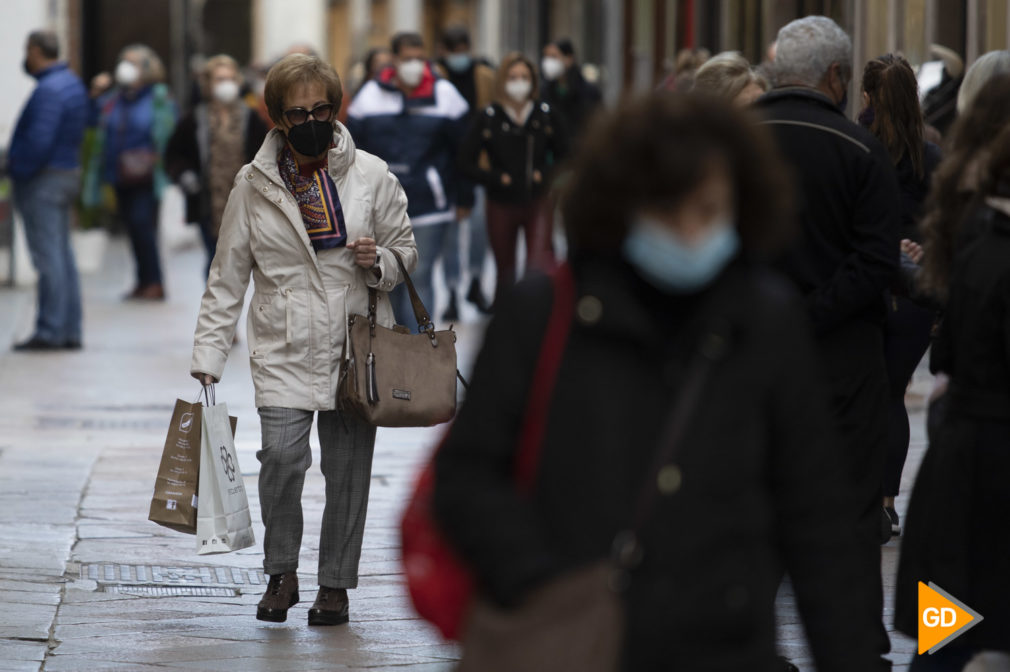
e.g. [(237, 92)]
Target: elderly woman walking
[(211, 144), (316, 223), (137, 123)]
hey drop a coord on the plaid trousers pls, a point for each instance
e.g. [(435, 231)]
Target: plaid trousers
[(346, 448)]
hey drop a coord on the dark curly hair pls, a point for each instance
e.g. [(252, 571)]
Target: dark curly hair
[(652, 152), (960, 179)]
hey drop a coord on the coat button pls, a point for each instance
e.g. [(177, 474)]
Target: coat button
[(589, 310), (266, 189), (669, 479), (249, 176)]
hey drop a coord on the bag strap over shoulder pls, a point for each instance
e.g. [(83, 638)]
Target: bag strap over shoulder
[(545, 375)]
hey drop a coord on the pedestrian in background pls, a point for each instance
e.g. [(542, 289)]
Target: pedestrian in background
[(565, 88), (415, 120), (986, 67), (892, 113), (315, 222), (474, 78), (665, 249), (844, 259), (210, 144), (44, 166), (956, 526), (512, 149), (137, 123), (729, 76)]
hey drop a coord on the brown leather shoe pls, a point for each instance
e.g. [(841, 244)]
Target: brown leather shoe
[(151, 293), (330, 608), (281, 595)]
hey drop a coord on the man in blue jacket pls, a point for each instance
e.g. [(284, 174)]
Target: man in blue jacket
[(414, 120), (43, 163)]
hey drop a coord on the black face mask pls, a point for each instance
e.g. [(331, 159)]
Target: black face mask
[(24, 64), (311, 138), (866, 117)]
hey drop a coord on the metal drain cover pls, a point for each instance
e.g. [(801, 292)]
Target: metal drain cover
[(174, 577), (171, 591)]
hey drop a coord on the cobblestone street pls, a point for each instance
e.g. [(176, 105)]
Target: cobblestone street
[(87, 583)]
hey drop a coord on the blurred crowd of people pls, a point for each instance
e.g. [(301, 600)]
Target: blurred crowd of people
[(735, 216)]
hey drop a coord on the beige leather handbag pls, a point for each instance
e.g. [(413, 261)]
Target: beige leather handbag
[(392, 378)]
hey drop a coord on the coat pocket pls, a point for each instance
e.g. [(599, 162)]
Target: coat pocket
[(267, 324)]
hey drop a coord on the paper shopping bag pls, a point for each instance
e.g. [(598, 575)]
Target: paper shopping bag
[(175, 497), (223, 522)]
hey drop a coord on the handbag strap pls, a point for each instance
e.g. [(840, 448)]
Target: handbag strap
[(545, 376), (424, 322)]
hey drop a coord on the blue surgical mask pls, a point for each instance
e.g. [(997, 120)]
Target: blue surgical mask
[(663, 259), (458, 62)]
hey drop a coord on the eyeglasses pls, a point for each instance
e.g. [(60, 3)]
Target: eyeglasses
[(297, 116)]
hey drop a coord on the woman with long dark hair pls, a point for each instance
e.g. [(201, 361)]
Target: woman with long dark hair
[(956, 533), (891, 112)]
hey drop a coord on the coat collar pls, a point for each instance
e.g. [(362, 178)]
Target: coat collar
[(339, 160), (803, 93)]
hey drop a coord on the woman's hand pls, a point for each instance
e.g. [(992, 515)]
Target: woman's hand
[(913, 250), (364, 252), (205, 378)]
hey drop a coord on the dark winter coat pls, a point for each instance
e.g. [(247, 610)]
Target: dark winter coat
[(513, 150), (957, 532), (760, 488), (573, 97), (189, 150), (418, 136), (915, 189), (847, 252)]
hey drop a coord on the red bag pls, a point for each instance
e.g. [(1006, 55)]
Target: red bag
[(439, 583)]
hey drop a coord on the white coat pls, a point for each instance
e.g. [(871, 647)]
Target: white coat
[(302, 298)]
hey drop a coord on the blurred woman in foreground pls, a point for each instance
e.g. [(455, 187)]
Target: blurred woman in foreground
[(665, 252)]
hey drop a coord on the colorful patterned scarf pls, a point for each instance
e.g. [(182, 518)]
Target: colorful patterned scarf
[(317, 200)]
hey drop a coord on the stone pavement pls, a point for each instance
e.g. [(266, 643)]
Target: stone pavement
[(87, 583)]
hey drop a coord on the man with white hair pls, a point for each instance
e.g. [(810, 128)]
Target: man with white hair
[(844, 258)]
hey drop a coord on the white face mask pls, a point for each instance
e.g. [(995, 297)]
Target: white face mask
[(226, 91), (518, 89), (127, 74), (410, 72), (552, 67)]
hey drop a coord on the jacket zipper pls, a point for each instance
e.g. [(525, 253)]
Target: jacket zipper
[(529, 164)]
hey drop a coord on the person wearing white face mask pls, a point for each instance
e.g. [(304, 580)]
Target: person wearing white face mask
[(211, 144), (564, 86), (523, 140), (414, 119), (137, 122)]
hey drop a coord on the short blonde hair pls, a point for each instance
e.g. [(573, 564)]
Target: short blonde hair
[(215, 62), (152, 70), (298, 69), (725, 75)]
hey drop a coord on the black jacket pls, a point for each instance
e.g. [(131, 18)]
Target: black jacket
[(188, 150), (956, 530), (760, 487), (847, 251), (915, 189), (517, 151), (573, 97)]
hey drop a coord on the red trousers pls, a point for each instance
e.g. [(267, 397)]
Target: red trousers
[(504, 220)]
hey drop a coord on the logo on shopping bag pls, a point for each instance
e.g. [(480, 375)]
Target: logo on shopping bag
[(186, 423), (942, 618), (229, 464)]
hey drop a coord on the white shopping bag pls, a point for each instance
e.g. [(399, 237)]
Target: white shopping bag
[(223, 523)]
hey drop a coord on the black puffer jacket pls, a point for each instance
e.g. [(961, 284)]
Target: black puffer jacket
[(513, 150), (760, 487)]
